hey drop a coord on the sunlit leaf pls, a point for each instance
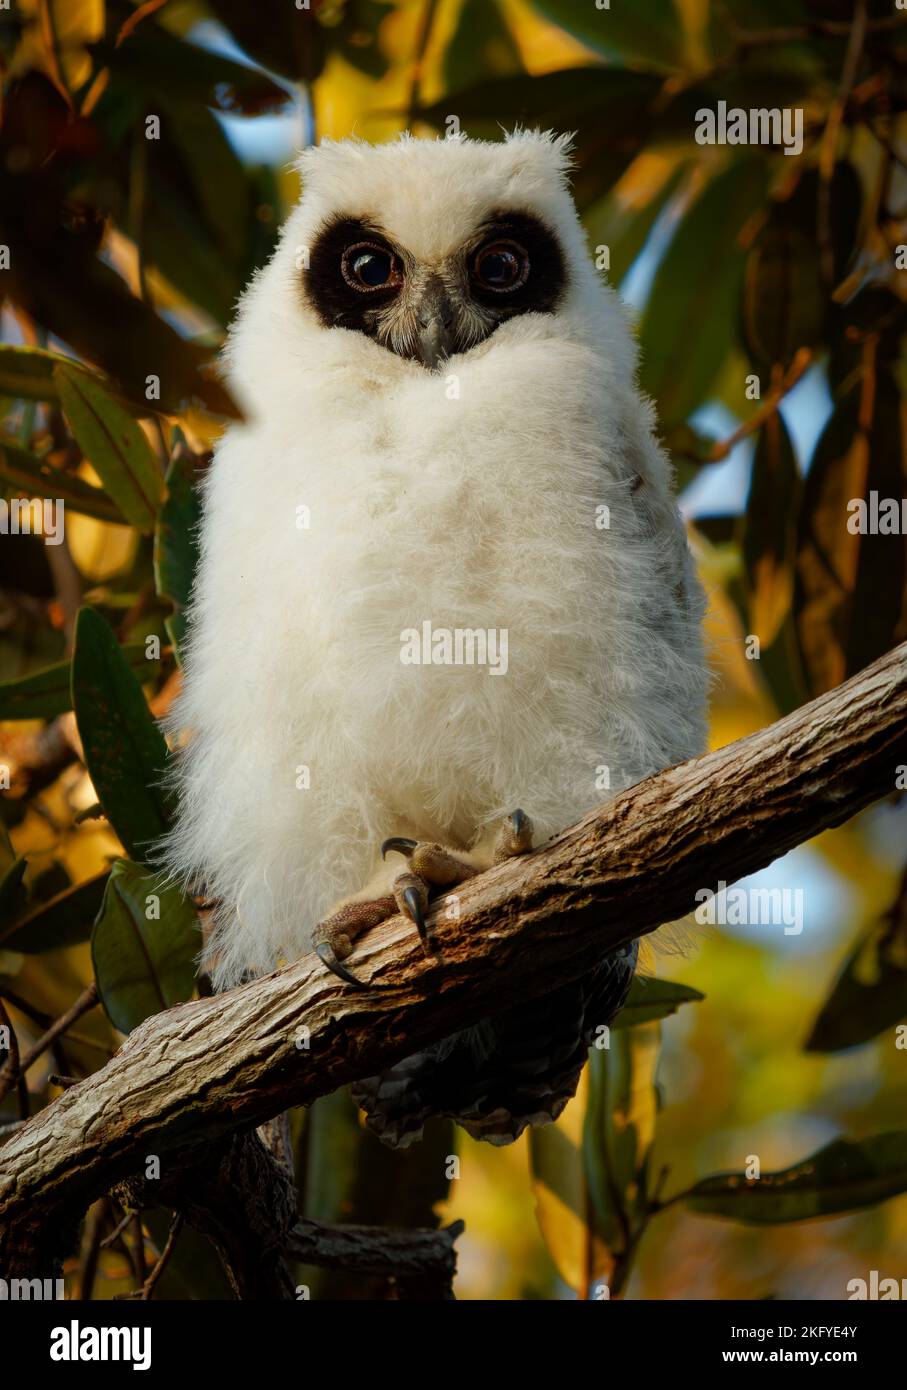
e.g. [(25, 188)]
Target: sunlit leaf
[(35, 477), (590, 1169), (651, 999), (143, 945), (114, 444), (28, 372), (651, 35)]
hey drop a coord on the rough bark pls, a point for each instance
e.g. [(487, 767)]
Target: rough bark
[(422, 1264), (204, 1069)]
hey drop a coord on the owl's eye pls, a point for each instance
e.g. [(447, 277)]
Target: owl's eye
[(367, 267), (501, 266)]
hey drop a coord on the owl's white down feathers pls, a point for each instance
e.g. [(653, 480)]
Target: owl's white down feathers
[(466, 497)]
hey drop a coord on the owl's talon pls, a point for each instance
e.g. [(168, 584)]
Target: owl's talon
[(514, 837), (400, 844), (334, 936), (325, 953), (411, 894), (433, 864)]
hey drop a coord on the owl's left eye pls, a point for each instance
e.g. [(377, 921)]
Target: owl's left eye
[(367, 267), (501, 266)]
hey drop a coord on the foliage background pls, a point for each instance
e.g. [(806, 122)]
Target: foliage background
[(127, 254)]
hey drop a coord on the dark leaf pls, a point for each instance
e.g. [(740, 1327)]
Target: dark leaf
[(870, 994), (688, 328), (193, 73), (65, 920), (769, 536), (845, 1176), (125, 752), (176, 540), (283, 38), (46, 693), (850, 586), (12, 893), (143, 946)]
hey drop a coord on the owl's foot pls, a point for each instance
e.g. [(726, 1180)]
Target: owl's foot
[(514, 837), (334, 937), (431, 867)]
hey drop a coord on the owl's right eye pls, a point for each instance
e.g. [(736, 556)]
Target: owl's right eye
[(367, 267)]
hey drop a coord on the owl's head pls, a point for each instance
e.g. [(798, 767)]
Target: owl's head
[(427, 247)]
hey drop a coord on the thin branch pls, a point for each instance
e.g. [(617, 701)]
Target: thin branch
[(11, 1072), (721, 448), (12, 1064), (212, 1067)]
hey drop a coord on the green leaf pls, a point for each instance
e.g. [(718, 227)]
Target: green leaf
[(176, 540), (482, 42), (845, 1176), (64, 920), (36, 478), (613, 111), (689, 324), (770, 530), (125, 752), (143, 964), (783, 303), (623, 223), (27, 373), (870, 994), (650, 34), (114, 444), (651, 999), (45, 694)]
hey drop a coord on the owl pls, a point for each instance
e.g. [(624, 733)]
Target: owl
[(445, 603)]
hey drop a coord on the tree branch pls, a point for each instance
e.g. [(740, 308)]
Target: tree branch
[(218, 1065)]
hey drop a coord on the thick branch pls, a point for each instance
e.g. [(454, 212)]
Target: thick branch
[(206, 1068)]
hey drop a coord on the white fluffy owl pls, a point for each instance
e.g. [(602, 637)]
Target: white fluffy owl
[(442, 577)]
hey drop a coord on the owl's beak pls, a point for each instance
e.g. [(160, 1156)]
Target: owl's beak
[(435, 315)]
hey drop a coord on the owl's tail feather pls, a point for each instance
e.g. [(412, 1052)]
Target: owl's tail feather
[(519, 1068)]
